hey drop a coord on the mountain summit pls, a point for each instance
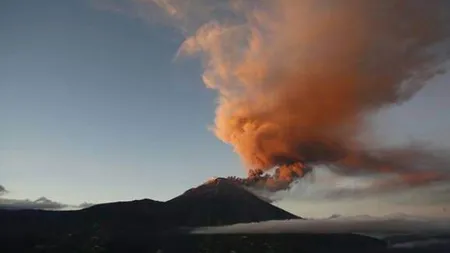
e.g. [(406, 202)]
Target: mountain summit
[(221, 201)]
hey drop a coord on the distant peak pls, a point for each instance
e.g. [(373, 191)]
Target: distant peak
[(42, 200), (215, 184)]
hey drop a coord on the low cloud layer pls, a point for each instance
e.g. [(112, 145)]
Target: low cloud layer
[(42, 203), (415, 232), (359, 224)]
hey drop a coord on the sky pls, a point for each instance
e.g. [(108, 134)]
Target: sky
[(94, 108)]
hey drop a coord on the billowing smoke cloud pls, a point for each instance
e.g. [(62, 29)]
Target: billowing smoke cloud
[(297, 79), (282, 178)]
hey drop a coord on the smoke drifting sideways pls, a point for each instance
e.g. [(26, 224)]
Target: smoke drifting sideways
[(296, 80)]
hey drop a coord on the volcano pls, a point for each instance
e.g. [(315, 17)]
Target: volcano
[(216, 202), (221, 202)]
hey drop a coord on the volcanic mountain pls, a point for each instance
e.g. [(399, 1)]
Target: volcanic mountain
[(220, 202)]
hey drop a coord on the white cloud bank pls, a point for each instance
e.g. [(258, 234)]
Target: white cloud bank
[(42, 203), (375, 226)]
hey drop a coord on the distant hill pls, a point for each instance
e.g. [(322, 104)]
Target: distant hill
[(125, 208)]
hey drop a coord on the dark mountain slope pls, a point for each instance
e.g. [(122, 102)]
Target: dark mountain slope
[(220, 202), (123, 215), (125, 208)]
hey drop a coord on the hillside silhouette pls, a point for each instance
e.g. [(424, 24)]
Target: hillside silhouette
[(148, 226)]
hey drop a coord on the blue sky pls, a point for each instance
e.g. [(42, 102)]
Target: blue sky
[(94, 108)]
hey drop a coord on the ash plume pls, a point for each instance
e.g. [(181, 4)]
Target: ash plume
[(282, 178), (296, 79)]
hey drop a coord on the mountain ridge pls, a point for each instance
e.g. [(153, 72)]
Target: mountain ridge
[(148, 226)]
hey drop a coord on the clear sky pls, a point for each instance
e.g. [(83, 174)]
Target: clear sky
[(93, 108)]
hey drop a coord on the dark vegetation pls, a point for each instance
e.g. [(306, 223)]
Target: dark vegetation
[(152, 226)]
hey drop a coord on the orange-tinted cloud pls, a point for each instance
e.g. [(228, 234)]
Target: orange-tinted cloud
[(297, 78)]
